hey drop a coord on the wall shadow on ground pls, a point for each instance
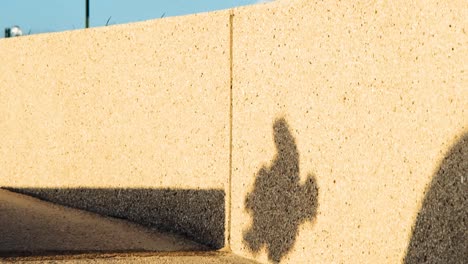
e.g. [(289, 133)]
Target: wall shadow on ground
[(196, 214), (279, 203), (441, 230)]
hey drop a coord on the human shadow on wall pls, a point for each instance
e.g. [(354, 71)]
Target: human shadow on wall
[(441, 229), (196, 214), (278, 202)]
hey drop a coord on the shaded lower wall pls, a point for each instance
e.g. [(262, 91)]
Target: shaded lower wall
[(197, 214)]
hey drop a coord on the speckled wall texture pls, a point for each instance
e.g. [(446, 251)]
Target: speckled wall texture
[(120, 107), (350, 122)]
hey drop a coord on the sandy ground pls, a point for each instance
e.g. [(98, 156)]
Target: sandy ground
[(35, 231), (156, 257), (29, 226)]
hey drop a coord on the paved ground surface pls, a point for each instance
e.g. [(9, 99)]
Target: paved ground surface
[(34, 231), (164, 258), (29, 227)]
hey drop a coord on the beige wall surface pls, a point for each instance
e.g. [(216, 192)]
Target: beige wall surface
[(349, 125), (343, 112), (122, 106), (142, 106)]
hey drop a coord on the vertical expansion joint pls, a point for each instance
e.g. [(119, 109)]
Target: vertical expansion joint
[(229, 210)]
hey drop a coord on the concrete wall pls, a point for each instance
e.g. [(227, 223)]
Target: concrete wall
[(121, 108), (348, 127), (342, 116)]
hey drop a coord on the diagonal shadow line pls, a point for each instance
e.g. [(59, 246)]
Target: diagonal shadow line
[(196, 214), (279, 203)]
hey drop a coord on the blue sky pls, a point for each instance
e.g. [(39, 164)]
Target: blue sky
[(39, 16)]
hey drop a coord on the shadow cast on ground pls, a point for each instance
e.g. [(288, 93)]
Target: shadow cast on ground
[(196, 214), (278, 202), (441, 230)]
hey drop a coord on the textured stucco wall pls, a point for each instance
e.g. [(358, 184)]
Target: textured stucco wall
[(349, 126), (343, 114), (116, 108)]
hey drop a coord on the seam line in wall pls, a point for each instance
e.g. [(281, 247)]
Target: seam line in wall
[(229, 216)]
